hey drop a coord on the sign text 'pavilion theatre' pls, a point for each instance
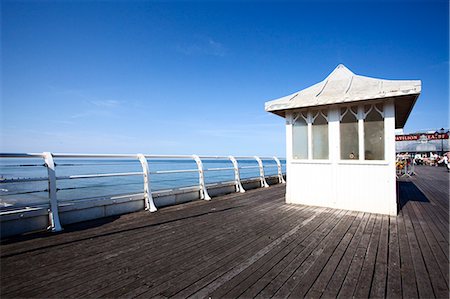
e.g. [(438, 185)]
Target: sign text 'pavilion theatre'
[(340, 140)]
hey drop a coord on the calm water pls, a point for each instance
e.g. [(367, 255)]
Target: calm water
[(29, 193)]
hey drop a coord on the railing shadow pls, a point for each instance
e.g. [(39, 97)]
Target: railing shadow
[(408, 191), (97, 222), (79, 226)]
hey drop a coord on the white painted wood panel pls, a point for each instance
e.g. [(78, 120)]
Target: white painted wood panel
[(359, 185)]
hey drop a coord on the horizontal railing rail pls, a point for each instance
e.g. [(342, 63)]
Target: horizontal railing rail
[(103, 175), (63, 162)]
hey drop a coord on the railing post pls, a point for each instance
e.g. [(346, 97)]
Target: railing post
[(55, 224), (412, 169), (280, 172), (237, 178), (201, 178), (149, 204), (261, 172)]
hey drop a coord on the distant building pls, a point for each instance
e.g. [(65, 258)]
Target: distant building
[(423, 143)]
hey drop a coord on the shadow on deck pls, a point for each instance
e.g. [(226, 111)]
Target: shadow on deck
[(408, 191), (248, 245)]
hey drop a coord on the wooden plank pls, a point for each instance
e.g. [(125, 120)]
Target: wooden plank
[(58, 254), (328, 260), (309, 273), (116, 244), (183, 294), (115, 223), (278, 275), (435, 184), (134, 220), (184, 279), (408, 276), (439, 233), (440, 213), (125, 243), (394, 280), (378, 287), (330, 269), (156, 265), (365, 278), (252, 274), (438, 282), (256, 284), (289, 286), (432, 242), (351, 279), (336, 281), (424, 287), (241, 280)]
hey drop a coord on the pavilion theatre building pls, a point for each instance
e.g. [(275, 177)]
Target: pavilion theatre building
[(423, 143), (340, 140)]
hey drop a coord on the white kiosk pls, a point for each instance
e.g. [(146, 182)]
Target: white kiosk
[(340, 140)]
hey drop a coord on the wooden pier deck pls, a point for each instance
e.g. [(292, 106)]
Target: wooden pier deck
[(244, 245)]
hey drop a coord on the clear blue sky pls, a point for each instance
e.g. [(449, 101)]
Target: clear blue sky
[(192, 77)]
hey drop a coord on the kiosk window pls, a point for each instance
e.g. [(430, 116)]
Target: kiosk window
[(300, 139), (349, 134), (320, 137), (373, 134)]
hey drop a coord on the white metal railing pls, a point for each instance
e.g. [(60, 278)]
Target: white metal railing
[(52, 177)]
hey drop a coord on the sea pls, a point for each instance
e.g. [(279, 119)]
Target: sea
[(15, 194)]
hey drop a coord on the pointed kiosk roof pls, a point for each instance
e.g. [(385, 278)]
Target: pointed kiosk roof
[(343, 86)]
